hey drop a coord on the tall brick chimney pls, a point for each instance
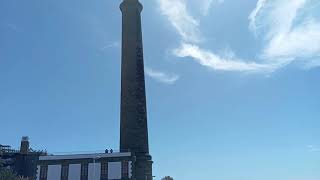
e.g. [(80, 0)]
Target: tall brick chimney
[(134, 126), (24, 148)]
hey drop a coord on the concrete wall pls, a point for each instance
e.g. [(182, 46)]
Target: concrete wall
[(38, 172), (114, 170), (130, 169), (94, 171), (84, 156), (54, 172), (74, 172)]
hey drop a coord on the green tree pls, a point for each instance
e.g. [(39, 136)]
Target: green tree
[(21, 178), (167, 178), (6, 174)]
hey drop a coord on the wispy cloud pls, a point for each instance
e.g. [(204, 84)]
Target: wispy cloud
[(289, 29), (13, 27), (253, 26), (188, 28), (313, 148), (207, 4), (161, 76), (217, 62), (115, 44), (181, 20)]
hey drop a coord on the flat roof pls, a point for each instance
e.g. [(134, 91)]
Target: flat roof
[(84, 156)]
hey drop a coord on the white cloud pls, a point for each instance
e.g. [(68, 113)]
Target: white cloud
[(313, 148), (181, 20), (207, 4), (185, 24), (115, 44), (289, 35), (291, 31), (253, 15), (301, 42), (228, 62), (13, 27), (161, 76)]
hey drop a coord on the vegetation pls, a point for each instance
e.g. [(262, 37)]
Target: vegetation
[(7, 174), (167, 178)]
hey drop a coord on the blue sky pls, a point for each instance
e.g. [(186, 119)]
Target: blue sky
[(232, 86)]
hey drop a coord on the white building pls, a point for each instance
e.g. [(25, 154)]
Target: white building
[(104, 166)]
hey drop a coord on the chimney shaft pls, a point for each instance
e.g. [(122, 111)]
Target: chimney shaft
[(24, 148), (134, 126)]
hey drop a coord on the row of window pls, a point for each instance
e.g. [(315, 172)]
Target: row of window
[(84, 171)]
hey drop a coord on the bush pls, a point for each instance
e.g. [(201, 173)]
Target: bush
[(6, 174)]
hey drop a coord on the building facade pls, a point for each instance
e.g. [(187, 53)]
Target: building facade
[(133, 161), (23, 162), (133, 116), (100, 166), (167, 178)]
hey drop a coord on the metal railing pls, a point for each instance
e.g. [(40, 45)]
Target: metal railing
[(106, 151), (5, 149)]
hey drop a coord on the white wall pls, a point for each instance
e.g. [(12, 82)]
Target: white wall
[(74, 172), (130, 169), (84, 156), (114, 170), (54, 172), (94, 171), (38, 172)]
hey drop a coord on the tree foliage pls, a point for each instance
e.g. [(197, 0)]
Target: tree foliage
[(167, 178), (8, 174)]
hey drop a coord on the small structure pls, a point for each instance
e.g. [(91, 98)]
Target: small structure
[(167, 178), (133, 108), (135, 164), (99, 166), (24, 161)]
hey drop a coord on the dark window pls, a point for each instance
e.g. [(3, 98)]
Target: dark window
[(84, 171), (43, 172), (125, 169), (104, 171), (64, 172)]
